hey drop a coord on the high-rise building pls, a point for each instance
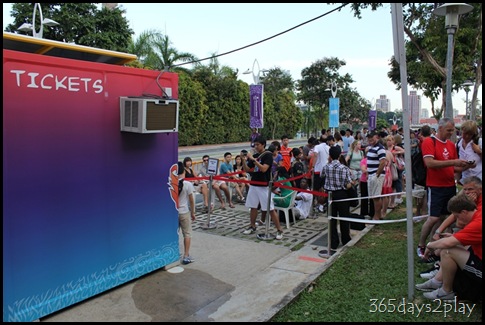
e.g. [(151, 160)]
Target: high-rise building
[(424, 113), (383, 104), (414, 102)]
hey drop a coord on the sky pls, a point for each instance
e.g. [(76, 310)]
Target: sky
[(366, 44)]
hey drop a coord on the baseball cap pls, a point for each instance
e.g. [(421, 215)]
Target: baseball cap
[(371, 134)]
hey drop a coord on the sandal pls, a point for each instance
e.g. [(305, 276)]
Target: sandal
[(232, 206), (259, 223)]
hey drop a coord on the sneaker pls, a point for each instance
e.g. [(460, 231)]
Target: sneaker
[(279, 235), (420, 251), (439, 294), (398, 201), (320, 208), (249, 231), (431, 259), (429, 285), (187, 260), (430, 273), (324, 253)]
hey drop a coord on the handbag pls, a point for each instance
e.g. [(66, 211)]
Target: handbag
[(394, 173), (399, 163), (352, 193)]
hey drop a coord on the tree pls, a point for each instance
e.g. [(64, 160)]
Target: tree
[(426, 50), (79, 23), (163, 55)]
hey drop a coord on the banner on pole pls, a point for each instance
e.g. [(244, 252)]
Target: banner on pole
[(334, 112), (256, 106), (372, 119)]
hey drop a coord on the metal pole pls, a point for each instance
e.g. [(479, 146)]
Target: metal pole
[(209, 225), (468, 113), (329, 231), (400, 56), (449, 70)]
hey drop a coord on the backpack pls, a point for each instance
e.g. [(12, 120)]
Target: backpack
[(418, 168)]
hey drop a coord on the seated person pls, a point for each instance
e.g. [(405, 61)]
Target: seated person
[(199, 186), (240, 187), (218, 185), (303, 202), (282, 197), (457, 261)]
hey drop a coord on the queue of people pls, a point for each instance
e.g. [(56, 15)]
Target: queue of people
[(454, 242)]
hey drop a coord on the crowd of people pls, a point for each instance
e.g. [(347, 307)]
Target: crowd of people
[(372, 161)]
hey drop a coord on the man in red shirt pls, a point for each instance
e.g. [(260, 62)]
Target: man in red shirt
[(455, 257), (442, 162), (285, 152)]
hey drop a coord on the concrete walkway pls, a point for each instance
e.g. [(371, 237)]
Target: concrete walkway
[(235, 278)]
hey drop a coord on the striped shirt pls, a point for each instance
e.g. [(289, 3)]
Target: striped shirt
[(374, 155), (336, 176)]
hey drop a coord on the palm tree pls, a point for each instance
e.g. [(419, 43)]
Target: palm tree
[(142, 46), (163, 56)]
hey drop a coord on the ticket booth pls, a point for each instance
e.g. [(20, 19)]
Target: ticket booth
[(87, 200)]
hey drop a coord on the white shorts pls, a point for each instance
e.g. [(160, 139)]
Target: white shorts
[(258, 195)]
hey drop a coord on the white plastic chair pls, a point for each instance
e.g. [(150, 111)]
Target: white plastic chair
[(286, 211)]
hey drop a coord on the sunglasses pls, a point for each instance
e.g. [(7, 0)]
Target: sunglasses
[(205, 160)]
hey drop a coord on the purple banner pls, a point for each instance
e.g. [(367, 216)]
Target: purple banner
[(372, 119), (256, 106)]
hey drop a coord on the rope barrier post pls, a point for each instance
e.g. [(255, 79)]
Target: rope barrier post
[(267, 235), (314, 209), (329, 215), (209, 225)]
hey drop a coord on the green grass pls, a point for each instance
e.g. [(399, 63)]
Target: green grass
[(371, 276)]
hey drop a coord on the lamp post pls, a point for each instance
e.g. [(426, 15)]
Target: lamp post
[(256, 73), (468, 111), (255, 98), (26, 27), (451, 11)]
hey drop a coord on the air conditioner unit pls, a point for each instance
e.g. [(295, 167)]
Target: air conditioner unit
[(149, 115)]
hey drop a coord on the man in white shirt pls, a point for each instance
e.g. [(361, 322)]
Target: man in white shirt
[(321, 159)]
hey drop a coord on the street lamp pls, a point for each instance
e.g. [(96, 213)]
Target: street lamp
[(26, 27), (468, 111), (256, 97), (256, 73), (451, 11)]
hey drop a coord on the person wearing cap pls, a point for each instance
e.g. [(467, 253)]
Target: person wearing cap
[(376, 161), (186, 211)]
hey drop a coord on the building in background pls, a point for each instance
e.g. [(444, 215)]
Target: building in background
[(383, 104), (424, 113), (414, 102)]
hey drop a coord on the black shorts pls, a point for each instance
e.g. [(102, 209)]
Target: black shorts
[(438, 198)]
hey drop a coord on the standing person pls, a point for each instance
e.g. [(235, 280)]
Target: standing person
[(366, 204), (337, 180), (297, 168), (260, 164), (442, 162), (320, 157), (470, 148), (285, 152), (254, 135), (353, 159), (364, 143), (306, 152), (376, 161), (186, 211)]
